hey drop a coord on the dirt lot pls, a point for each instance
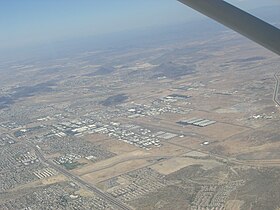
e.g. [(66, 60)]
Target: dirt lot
[(116, 170), (177, 163)]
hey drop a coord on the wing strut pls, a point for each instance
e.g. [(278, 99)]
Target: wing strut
[(240, 21)]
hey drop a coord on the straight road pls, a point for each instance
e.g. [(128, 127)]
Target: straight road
[(92, 188), (276, 90)]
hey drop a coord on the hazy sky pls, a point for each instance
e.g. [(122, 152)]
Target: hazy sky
[(25, 22)]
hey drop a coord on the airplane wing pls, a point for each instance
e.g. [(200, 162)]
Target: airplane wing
[(240, 21)]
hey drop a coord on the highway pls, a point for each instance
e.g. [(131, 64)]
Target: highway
[(276, 90), (92, 188)]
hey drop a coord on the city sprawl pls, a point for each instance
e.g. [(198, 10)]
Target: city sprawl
[(184, 124)]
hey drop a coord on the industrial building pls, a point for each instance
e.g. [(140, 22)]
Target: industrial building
[(197, 122)]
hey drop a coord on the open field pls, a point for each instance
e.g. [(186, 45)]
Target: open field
[(115, 170), (175, 164)]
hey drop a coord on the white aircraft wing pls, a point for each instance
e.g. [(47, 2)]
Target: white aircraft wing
[(240, 21)]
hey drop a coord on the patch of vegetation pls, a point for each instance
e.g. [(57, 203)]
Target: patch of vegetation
[(263, 184), (24, 92), (172, 70), (114, 100), (72, 165), (170, 197), (101, 71), (5, 101)]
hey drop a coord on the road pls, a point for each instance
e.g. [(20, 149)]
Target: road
[(92, 188), (276, 90)]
